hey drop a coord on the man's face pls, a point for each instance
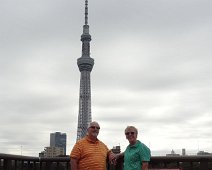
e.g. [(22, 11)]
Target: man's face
[(93, 130), (131, 135)]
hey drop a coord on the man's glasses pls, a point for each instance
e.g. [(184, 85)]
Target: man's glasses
[(95, 127), (129, 133)]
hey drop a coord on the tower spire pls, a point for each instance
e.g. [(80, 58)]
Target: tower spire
[(86, 12), (85, 64)]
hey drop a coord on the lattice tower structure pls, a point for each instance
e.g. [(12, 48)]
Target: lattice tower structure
[(85, 64)]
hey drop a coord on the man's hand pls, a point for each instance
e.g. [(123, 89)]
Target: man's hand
[(145, 166), (112, 158), (73, 163)]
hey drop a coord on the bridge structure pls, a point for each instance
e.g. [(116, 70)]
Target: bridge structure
[(18, 162)]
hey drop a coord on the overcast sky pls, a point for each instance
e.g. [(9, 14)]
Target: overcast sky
[(153, 68)]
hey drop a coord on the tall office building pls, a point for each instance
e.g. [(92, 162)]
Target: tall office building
[(85, 64), (58, 139)]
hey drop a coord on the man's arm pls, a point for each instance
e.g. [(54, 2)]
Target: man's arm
[(73, 163), (144, 166), (119, 155)]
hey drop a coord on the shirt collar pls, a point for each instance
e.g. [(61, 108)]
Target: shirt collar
[(135, 145), (91, 141)]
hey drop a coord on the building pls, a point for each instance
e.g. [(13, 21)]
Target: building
[(116, 149), (85, 64), (50, 152), (58, 139), (183, 152), (203, 153), (41, 154), (173, 153)]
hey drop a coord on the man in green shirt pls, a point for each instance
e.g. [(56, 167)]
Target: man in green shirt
[(137, 155)]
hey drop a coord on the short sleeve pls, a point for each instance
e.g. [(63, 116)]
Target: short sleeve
[(145, 153), (76, 151)]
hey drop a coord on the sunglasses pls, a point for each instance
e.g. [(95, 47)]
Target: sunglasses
[(129, 133), (95, 127)]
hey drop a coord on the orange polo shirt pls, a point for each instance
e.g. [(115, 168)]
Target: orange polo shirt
[(91, 155)]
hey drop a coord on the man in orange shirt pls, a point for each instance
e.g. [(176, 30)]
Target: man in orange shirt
[(90, 153)]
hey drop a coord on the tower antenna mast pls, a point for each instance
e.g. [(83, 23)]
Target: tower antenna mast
[(86, 12)]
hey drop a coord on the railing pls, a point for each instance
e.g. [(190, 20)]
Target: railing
[(16, 162), (183, 162)]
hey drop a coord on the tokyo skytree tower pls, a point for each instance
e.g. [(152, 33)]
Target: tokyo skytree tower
[(85, 64)]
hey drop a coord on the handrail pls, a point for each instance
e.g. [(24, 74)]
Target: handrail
[(10, 162), (194, 158)]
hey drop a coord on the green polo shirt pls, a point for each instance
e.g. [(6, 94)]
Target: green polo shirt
[(134, 155)]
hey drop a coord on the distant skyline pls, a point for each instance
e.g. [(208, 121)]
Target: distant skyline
[(153, 70)]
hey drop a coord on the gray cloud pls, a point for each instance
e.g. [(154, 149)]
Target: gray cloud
[(152, 70)]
